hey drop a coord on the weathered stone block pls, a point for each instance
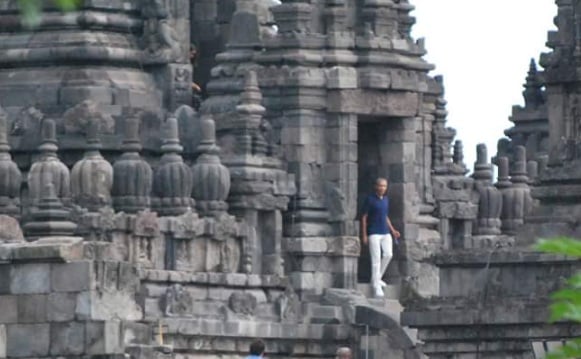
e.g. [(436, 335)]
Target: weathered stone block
[(98, 306), (67, 338), (103, 337), (152, 308), (72, 277), (370, 102), (4, 279), (341, 78), (61, 249), (220, 294), (61, 307), (2, 341), (20, 343), (32, 308), (30, 279), (8, 309)]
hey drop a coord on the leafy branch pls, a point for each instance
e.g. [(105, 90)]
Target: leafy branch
[(566, 303), (31, 9)]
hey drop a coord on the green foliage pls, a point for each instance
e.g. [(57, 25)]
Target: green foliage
[(566, 304), (31, 9)]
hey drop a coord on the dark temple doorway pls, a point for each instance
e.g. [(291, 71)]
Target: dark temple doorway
[(369, 168)]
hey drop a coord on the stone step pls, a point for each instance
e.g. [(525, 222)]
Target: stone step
[(390, 292), (391, 306), (323, 314)]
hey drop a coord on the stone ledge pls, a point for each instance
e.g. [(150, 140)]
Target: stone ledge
[(47, 249), (215, 279), (323, 246), (514, 331), (479, 258), (467, 316), (253, 329)]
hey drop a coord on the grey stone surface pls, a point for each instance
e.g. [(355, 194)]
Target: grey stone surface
[(3, 339), (30, 279), (72, 277), (32, 308), (103, 337), (67, 338), (61, 307), (9, 313), (28, 340), (304, 104)]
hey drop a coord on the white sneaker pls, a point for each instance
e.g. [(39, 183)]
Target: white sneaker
[(378, 293), (382, 284)]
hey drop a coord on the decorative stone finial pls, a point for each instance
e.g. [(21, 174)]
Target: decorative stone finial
[(489, 197), (10, 175), (211, 178), (293, 16), (503, 173), (250, 110), (519, 170), (516, 197), (49, 169), (532, 171), (543, 161), (172, 182), (245, 26), (458, 156), (50, 218), (482, 168), (533, 93), (132, 176), (405, 21), (92, 176), (380, 18)]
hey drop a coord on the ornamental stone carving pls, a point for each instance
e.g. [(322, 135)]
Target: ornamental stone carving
[(92, 176), (172, 183), (133, 177), (211, 178), (49, 169)]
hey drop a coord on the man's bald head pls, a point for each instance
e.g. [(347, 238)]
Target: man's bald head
[(344, 353), (381, 186)]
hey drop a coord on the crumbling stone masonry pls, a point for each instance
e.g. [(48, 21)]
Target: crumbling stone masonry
[(137, 222)]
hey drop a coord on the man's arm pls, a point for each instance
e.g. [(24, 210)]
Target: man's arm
[(364, 228), (364, 212), (393, 231)]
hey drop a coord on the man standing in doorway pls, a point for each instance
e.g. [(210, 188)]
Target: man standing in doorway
[(377, 231)]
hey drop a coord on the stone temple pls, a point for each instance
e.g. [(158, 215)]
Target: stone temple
[(180, 177)]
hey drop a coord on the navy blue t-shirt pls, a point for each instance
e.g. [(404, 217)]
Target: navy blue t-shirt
[(377, 210)]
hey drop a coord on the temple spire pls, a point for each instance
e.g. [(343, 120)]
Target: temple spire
[(533, 93)]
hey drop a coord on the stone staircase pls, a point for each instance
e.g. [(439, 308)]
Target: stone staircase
[(388, 304)]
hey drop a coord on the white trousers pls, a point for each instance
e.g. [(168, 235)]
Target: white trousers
[(381, 252)]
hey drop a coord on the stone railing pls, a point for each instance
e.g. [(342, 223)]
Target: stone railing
[(171, 217), (474, 211)]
